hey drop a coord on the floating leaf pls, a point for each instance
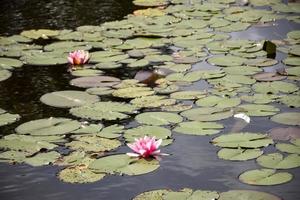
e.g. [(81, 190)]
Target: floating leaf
[(158, 118), (259, 98), (198, 128), (259, 110), (68, 98), (227, 61), (244, 140), (277, 161), (284, 133), (265, 177), (152, 101), (294, 61), (103, 110), (44, 59), (291, 100), (133, 92), (218, 102), (247, 194), (4, 74), (176, 108), (40, 33), (110, 132), (239, 154), (123, 164), (207, 114), (13, 156), (87, 72), (269, 76), (7, 118), (95, 81), (93, 144), (42, 159), (8, 63), (294, 147), (289, 118), (275, 87), (79, 175), (100, 91), (50, 126), (188, 95)]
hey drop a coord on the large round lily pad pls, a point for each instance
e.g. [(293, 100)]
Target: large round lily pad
[(246, 140), (123, 164), (158, 118), (227, 61), (289, 118), (68, 98), (265, 177), (247, 195), (49, 126), (42, 158), (277, 161), (103, 110), (207, 114), (198, 128), (239, 154), (259, 110)]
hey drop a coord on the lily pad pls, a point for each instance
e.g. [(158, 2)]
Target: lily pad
[(103, 110), (259, 110), (40, 33), (4, 74), (95, 81), (207, 114), (288, 118), (284, 133), (247, 194), (42, 159), (7, 118), (49, 126), (218, 102), (269, 76), (185, 95), (294, 147), (239, 154), (158, 118), (198, 128), (153, 101), (111, 132), (133, 92), (225, 61), (123, 164), (244, 140), (275, 87), (291, 100), (68, 98), (293, 61), (277, 161), (78, 174), (87, 72), (265, 177), (8, 63)]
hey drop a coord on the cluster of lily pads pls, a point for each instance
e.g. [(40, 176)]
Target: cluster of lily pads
[(201, 77)]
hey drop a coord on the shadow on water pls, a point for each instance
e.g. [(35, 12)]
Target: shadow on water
[(193, 163)]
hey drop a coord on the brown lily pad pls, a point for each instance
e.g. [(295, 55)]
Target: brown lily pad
[(269, 76), (284, 133)]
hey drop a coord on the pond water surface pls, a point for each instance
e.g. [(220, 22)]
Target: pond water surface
[(193, 163)]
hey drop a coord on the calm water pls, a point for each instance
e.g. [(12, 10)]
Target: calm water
[(194, 162)]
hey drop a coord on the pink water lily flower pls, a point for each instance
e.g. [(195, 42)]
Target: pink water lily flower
[(78, 57), (146, 147)]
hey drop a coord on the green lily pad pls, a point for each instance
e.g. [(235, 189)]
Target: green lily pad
[(49, 126), (133, 92), (111, 132), (259, 110), (45, 58), (95, 81), (68, 98), (75, 158), (244, 140), (158, 118), (141, 131), (103, 110), (93, 144), (261, 62), (123, 164), (203, 195), (239, 154), (277, 161), (218, 102), (294, 61), (153, 3), (152, 101), (67, 46), (151, 195), (247, 194), (195, 75), (294, 147), (291, 100), (265, 177), (87, 72), (88, 129), (198, 128), (79, 175), (275, 87), (259, 98), (225, 61), (289, 118), (7, 63), (176, 107), (242, 70), (42, 159), (47, 138), (40, 33), (100, 91), (13, 156), (207, 114), (185, 95), (4, 74), (7, 118)]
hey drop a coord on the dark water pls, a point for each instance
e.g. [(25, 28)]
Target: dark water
[(193, 163)]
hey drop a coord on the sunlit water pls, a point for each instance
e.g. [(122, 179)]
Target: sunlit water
[(193, 162)]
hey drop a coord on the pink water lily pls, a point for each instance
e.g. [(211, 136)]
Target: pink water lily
[(146, 147), (78, 57)]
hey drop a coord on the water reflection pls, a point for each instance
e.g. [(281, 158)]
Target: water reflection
[(17, 15)]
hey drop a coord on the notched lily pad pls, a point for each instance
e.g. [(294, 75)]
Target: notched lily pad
[(239, 154), (158, 118), (277, 161), (198, 128)]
